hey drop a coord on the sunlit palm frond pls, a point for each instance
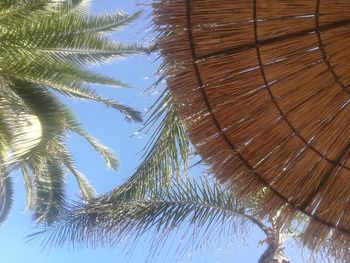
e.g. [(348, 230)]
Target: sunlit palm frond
[(30, 190), (80, 6), (87, 191), (110, 159), (12, 11), (21, 128), (49, 180), (5, 139), (202, 204), (74, 126), (166, 154), (6, 195), (46, 46), (46, 107), (102, 23)]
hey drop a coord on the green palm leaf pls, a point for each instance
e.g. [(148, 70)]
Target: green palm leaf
[(79, 6), (74, 126), (202, 204), (49, 184), (30, 190), (6, 195), (166, 154), (87, 191), (45, 48)]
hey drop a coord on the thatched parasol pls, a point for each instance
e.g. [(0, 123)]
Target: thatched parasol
[(263, 87)]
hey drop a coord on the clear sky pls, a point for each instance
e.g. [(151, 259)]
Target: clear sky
[(108, 126)]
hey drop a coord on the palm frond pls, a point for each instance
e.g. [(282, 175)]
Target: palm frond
[(14, 10), (41, 67), (202, 204), (50, 184), (101, 23), (21, 130), (28, 136), (5, 138), (74, 126), (46, 108), (63, 46), (166, 154), (87, 191), (79, 6), (6, 195), (88, 94), (30, 189), (90, 54), (111, 160), (6, 134), (46, 46)]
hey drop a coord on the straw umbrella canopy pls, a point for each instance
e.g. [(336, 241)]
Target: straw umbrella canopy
[(263, 87)]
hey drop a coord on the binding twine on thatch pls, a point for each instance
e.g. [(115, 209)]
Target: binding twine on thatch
[(264, 89)]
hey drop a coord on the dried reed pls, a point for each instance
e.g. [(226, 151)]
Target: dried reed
[(264, 89)]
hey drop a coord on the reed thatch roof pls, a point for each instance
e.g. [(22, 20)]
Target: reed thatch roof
[(263, 87)]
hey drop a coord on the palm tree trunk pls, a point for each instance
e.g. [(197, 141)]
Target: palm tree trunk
[(275, 248), (275, 240)]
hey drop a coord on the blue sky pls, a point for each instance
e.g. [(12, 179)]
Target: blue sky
[(111, 129)]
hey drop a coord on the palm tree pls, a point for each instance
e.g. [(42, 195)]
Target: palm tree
[(210, 210), (161, 196), (45, 46)]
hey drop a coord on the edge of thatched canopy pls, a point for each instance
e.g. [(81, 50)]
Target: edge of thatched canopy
[(195, 49)]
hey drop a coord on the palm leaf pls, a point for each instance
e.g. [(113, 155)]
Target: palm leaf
[(30, 189), (46, 46), (12, 10), (202, 204), (21, 128), (166, 154), (102, 23), (87, 191), (49, 184), (6, 195), (79, 6), (74, 126), (46, 108)]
